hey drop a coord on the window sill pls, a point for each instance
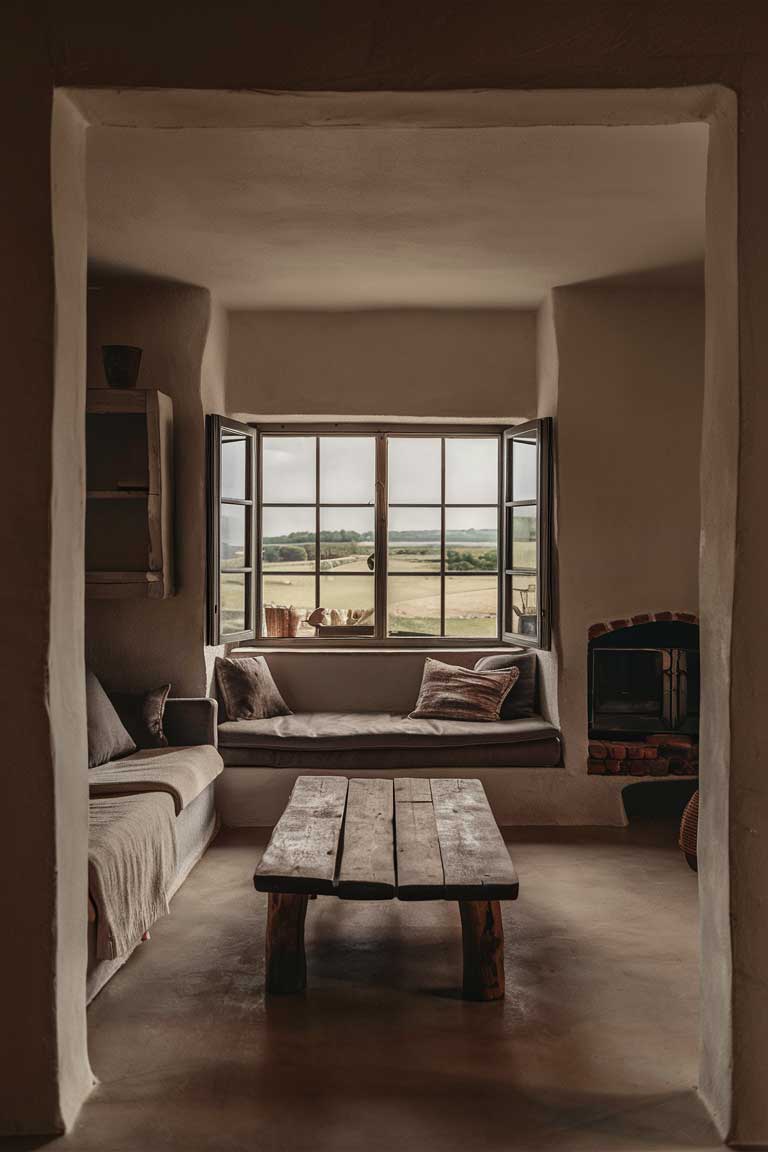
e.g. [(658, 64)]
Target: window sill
[(315, 646)]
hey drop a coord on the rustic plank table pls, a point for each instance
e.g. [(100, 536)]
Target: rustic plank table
[(409, 839)]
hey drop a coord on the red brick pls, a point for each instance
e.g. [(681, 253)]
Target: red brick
[(596, 630), (688, 617), (596, 767), (637, 767), (664, 616), (643, 618), (659, 767), (614, 624), (597, 750), (616, 751)]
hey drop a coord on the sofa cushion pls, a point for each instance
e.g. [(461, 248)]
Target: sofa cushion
[(181, 772), (247, 689), (107, 736), (451, 693), (523, 754), (520, 702), (330, 731), (142, 715)]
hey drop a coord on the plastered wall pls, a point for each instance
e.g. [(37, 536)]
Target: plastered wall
[(139, 644), (430, 364), (630, 390)]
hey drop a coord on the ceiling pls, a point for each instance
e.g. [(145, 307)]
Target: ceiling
[(372, 217)]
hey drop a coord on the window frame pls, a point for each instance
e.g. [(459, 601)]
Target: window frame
[(216, 426), (543, 504), (381, 432)]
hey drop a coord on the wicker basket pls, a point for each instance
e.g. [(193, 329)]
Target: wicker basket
[(689, 831), (282, 620)]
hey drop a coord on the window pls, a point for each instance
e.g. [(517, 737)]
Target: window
[(394, 536)]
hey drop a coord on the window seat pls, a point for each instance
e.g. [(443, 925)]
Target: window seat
[(385, 740)]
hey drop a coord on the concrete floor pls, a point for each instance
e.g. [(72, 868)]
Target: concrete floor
[(594, 1048)]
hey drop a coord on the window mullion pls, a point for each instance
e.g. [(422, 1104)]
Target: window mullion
[(317, 521), (380, 546), (442, 536)]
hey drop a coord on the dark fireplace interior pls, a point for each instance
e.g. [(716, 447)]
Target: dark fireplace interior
[(643, 698)]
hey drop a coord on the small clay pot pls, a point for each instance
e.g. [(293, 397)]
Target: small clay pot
[(121, 364)]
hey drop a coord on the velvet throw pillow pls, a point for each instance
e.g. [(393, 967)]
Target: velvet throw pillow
[(107, 736), (452, 693), (521, 701), (142, 715), (247, 689)]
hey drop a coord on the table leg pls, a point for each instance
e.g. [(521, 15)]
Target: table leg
[(286, 963), (483, 944)]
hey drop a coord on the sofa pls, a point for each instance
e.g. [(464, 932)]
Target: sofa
[(350, 717), (183, 781)]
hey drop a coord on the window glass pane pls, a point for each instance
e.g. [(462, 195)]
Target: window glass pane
[(346, 539), (414, 470), (234, 451), (524, 458), (288, 469), (521, 532), (282, 592), (471, 539), (347, 600), (413, 539), (471, 470), (288, 538), (521, 605), (233, 517), (470, 605), (232, 603), (413, 605), (347, 469)]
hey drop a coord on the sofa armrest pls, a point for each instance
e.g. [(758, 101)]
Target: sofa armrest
[(189, 721)]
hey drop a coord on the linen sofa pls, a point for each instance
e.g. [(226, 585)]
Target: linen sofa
[(350, 717), (189, 766)]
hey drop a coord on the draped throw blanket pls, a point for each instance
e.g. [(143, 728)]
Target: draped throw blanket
[(131, 865)]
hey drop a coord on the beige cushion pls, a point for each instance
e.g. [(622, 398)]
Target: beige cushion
[(343, 730), (451, 693), (181, 772)]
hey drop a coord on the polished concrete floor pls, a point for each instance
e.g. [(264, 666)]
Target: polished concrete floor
[(595, 1046)]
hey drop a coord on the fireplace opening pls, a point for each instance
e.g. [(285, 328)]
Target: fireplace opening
[(643, 696)]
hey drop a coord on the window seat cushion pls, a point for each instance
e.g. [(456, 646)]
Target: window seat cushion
[(387, 740)]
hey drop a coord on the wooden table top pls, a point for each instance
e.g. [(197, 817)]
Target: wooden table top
[(410, 839)]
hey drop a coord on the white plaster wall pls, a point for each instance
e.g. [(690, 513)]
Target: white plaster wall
[(139, 644), (214, 398), (434, 364), (629, 399)]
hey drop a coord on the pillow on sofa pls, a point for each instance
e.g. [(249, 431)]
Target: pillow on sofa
[(247, 689), (452, 693), (521, 701), (107, 737), (141, 713)]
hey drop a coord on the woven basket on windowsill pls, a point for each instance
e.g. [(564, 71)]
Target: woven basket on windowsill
[(282, 620)]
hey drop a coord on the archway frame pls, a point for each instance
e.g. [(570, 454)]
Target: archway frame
[(75, 109)]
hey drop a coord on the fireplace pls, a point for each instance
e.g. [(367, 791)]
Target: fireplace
[(643, 695)]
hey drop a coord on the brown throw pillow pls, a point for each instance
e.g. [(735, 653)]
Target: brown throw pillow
[(521, 701), (107, 737), (247, 689), (452, 693), (142, 715)]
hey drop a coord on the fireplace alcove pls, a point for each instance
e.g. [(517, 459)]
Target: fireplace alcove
[(643, 696)]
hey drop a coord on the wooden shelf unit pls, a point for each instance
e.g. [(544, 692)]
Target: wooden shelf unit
[(129, 498)]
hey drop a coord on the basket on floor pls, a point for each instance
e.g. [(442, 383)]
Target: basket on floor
[(689, 831)]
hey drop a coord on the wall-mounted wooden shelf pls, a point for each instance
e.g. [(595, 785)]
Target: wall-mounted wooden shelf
[(129, 500)]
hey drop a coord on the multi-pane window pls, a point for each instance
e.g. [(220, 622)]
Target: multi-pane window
[(393, 536), (442, 536)]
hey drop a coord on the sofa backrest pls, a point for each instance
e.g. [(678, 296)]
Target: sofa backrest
[(343, 680)]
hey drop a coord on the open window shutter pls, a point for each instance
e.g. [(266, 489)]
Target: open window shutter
[(526, 530), (231, 531)]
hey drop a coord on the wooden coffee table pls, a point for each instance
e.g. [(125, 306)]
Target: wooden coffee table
[(409, 839)]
